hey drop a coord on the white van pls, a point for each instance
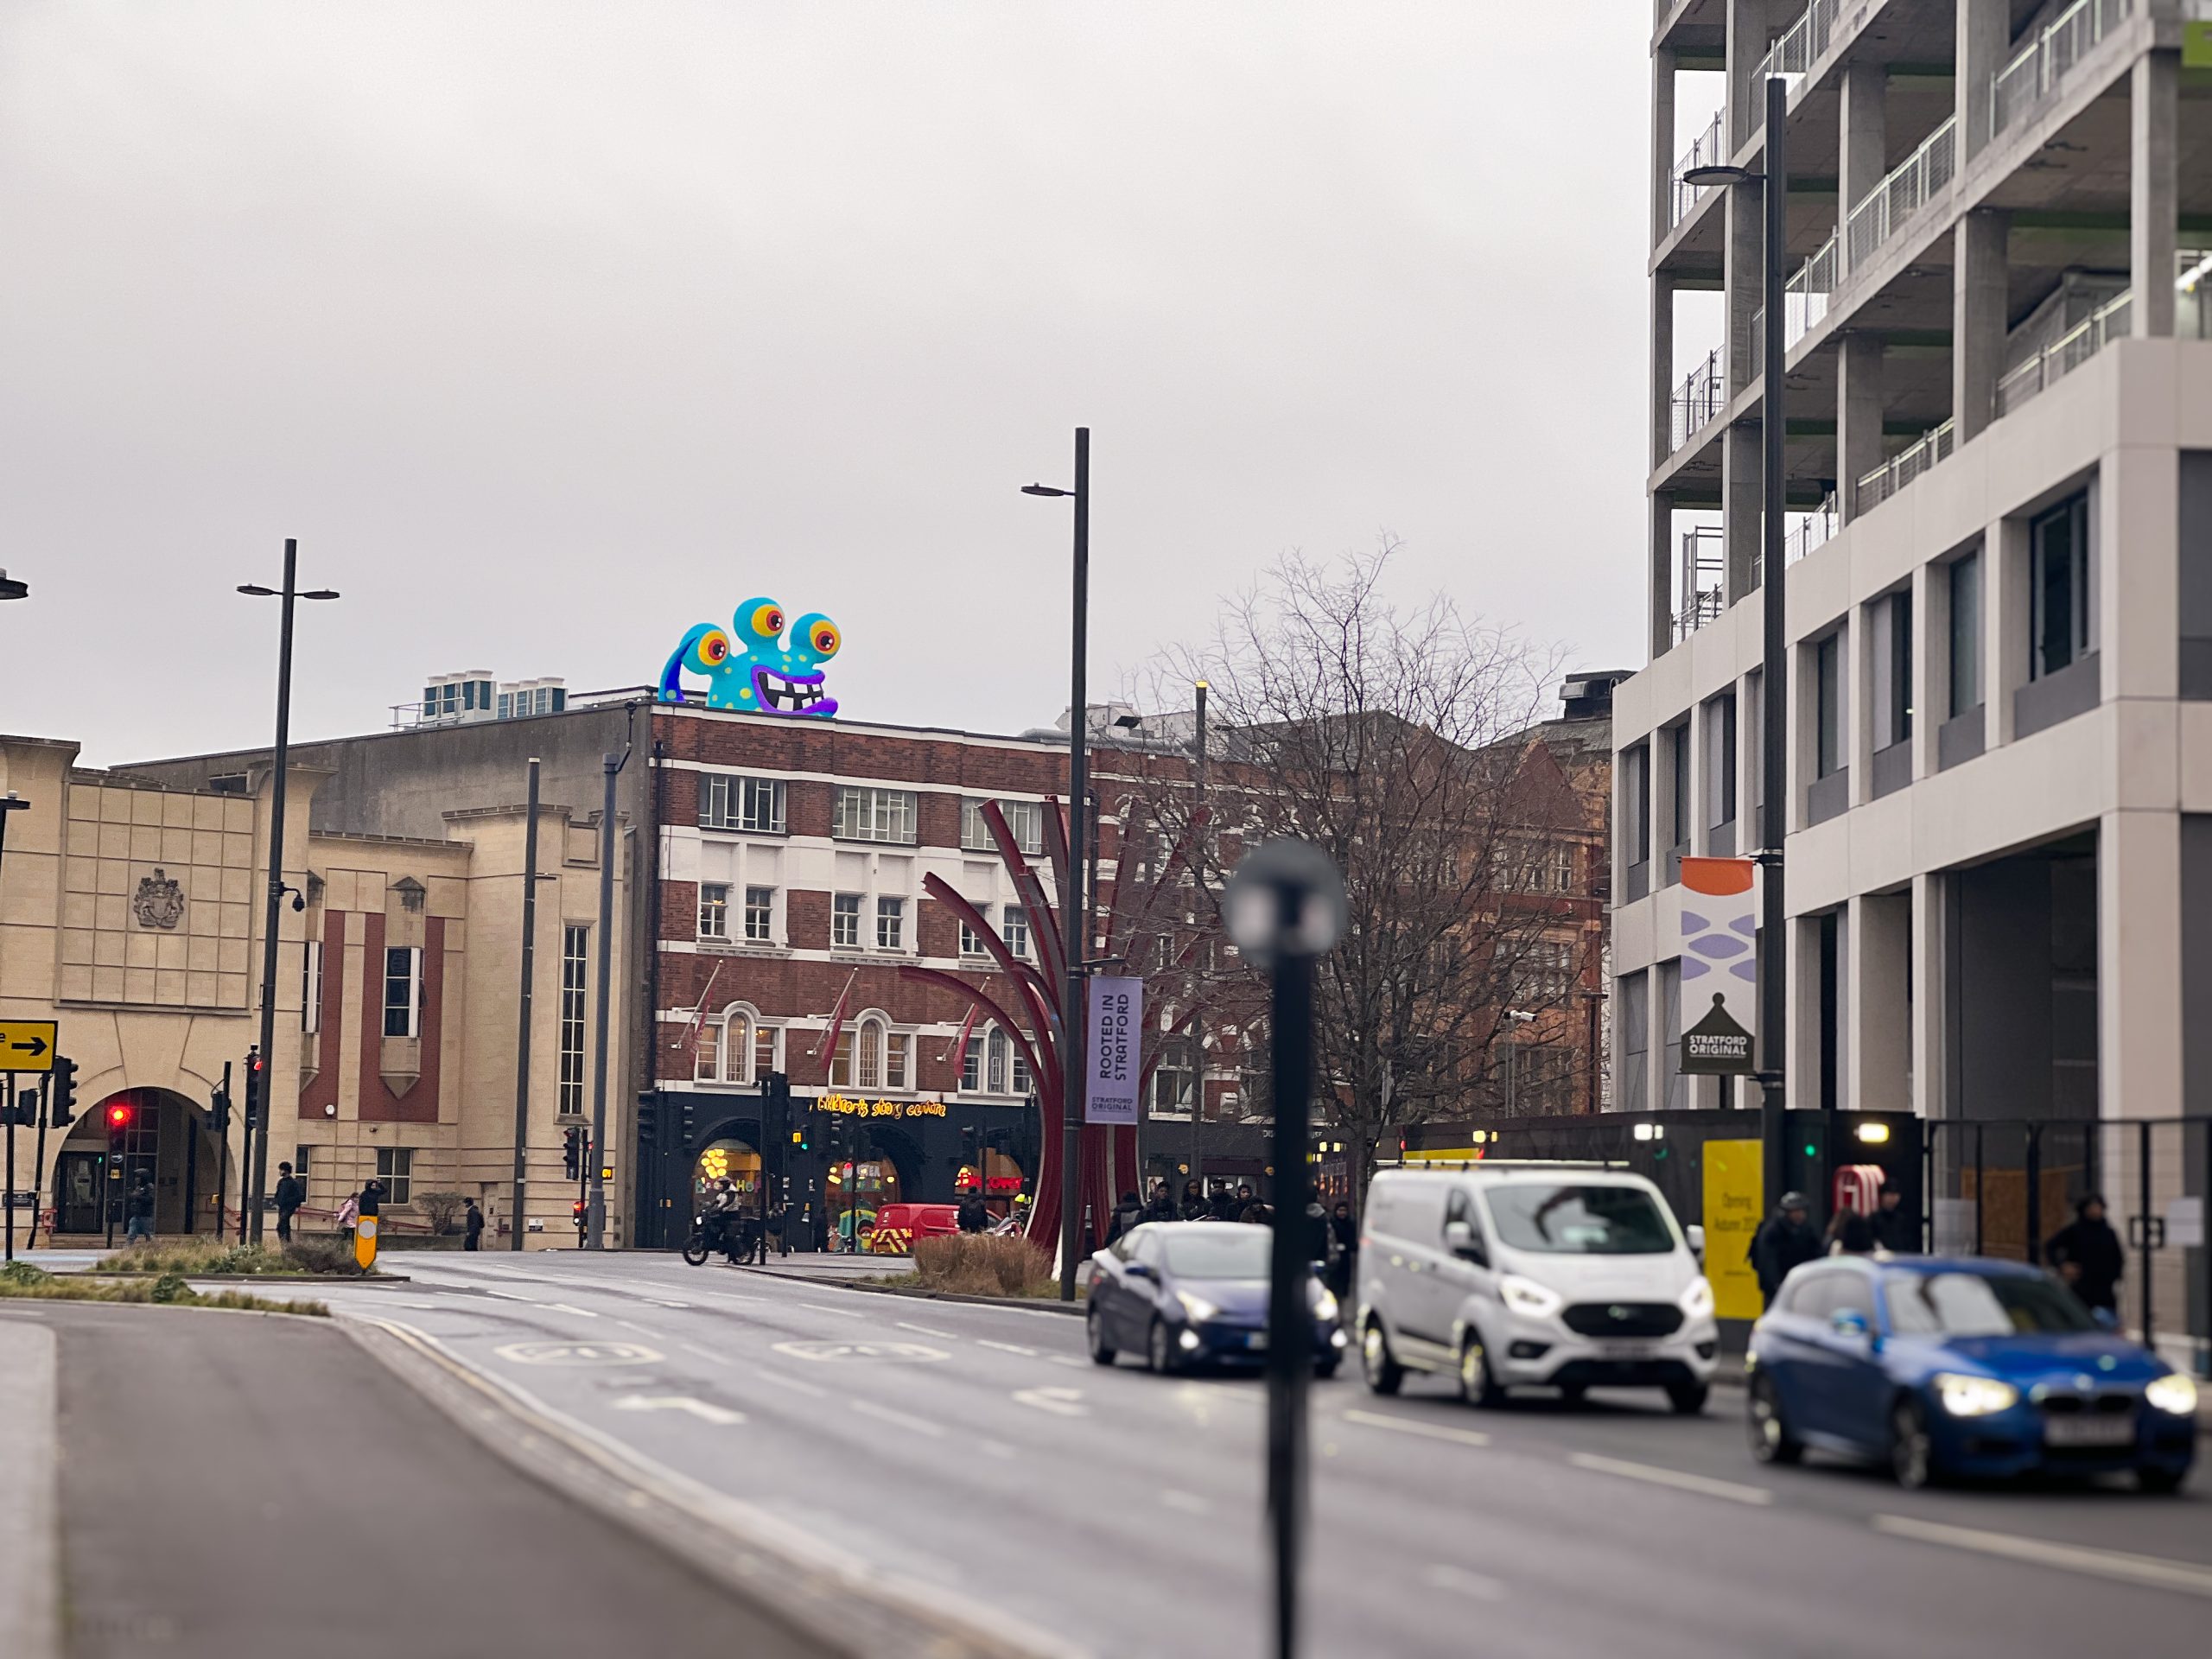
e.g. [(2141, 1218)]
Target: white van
[(1570, 1276)]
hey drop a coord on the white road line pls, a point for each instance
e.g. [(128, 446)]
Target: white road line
[(791, 1383), (899, 1419), (2184, 1576), (580, 1312), (1442, 1575), (930, 1330), (1061, 1402), (708, 1353), (1186, 1503), (511, 1296), (1080, 1364), (1007, 1347), (1412, 1426), (842, 1313), (656, 1302), (1734, 1491)]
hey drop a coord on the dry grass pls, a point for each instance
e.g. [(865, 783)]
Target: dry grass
[(980, 1264), (24, 1282), (205, 1257)]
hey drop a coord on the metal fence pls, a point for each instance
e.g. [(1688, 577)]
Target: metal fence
[(1799, 47), (1910, 186), (1702, 395), (1709, 150), (2065, 354), (2049, 56), (1901, 469), (1701, 580)]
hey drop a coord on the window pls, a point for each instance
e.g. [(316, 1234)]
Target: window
[(993, 1065), (1578, 1220), (1025, 821), (396, 1169), (870, 1055), (862, 1054), (898, 1059), (1174, 1080), (753, 805), (2059, 566), (299, 1157), (1013, 928), (971, 942), (713, 910), (890, 923), (311, 988), (1897, 666), (845, 921), (760, 914), (1524, 864), (1827, 701), (1636, 802), (575, 953), (1544, 974), (403, 990), (1678, 809), (707, 1057), (1965, 577), (1720, 761), (1636, 1042), (865, 814)]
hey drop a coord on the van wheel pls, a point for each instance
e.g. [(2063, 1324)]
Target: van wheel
[(1771, 1440), (1383, 1373), (1102, 1350), (1477, 1386)]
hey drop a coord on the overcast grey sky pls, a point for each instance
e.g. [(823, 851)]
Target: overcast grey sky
[(551, 329)]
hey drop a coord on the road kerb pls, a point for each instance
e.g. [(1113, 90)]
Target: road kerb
[(30, 1519)]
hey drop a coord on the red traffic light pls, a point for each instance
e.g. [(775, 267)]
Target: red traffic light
[(119, 1116)]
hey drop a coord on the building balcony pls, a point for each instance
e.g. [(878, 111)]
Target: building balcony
[(2048, 57), (1799, 47), (1892, 476), (1702, 395), (1710, 149), (2065, 354), (1910, 186)]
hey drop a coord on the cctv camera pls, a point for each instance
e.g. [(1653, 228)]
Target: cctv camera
[(299, 901)]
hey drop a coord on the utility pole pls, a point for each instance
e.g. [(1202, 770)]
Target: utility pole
[(1201, 863), (529, 980), (595, 1213), (1774, 691)]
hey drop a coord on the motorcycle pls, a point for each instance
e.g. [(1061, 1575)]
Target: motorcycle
[(698, 1247)]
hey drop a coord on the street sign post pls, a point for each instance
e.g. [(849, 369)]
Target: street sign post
[(27, 1045)]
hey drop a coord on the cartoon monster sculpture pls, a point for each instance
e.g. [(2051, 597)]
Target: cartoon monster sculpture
[(747, 666)]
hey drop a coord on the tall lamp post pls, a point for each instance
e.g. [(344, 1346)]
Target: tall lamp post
[(1074, 905), (257, 1099), (1774, 702)]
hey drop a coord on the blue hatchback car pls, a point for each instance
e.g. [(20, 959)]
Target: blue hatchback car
[(1960, 1366), (1186, 1294)]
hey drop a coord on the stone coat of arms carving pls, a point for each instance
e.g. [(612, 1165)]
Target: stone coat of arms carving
[(160, 900)]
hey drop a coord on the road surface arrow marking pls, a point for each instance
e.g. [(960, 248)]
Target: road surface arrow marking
[(700, 1408), (1061, 1402)]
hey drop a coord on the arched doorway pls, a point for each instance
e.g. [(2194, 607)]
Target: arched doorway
[(150, 1132), (729, 1157), (871, 1177)]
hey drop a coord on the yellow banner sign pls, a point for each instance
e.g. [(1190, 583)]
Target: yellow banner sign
[(27, 1045), (1733, 1205), (844, 1105)]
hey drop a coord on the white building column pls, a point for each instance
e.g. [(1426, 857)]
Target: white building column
[(1663, 144), (1750, 25), (1984, 34), (1979, 319), (1740, 516), (1930, 999), (1878, 1037), (1863, 136), (1858, 416), (2154, 192), (2136, 541), (1931, 664), (1662, 586), (2006, 616), (2139, 1011)]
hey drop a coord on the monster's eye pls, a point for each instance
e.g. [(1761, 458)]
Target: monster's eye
[(768, 621), (823, 638), (714, 648)]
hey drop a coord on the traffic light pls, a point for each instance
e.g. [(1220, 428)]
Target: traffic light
[(23, 1114), (576, 1214), (121, 1115), (649, 1118), (219, 1110), (252, 1088), (689, 1123), (572, 1153), (62, 1094)]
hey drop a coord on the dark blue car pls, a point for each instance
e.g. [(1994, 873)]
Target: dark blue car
[(1186, 1294), (1961, 1367)]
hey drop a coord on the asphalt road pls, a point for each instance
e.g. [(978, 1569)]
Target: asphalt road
[(976, 1451), (233, 1487)]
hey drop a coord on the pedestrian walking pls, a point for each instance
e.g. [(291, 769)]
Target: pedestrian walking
[(291, 1194), (1848, 1232), (1127, 1214), (349, 1212), (972, 1217), (1894, 1230), (1195, 1207), (1783, 1241), (138, 1210), (2088, 1254), (472, 1221), (1161, 1205), (1346, 1233)]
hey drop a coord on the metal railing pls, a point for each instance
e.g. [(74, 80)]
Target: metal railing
[(2193, 294), (1885, 480), (1812, 529), (1910, 186), (1701, 581), (1804, 299), (1702, 395), (1709, 150), (2048, 57), (1795, 49), (2065, 354)]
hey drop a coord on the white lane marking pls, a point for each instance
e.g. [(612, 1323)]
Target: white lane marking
[(707, 1353), (580, 1312), (1071, 1359), (656, 1302), (1442, 1575), (707, 1412), (842, 1313), (1061, 1402), (511, 1296), (1411, 1426), (2184, 1576), (899, 1419), (1734, 1491), (791, 1383), (930, 1330), (1007, 1347), (1187, 1503)]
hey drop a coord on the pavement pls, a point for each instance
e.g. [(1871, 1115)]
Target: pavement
[(970, 1461)]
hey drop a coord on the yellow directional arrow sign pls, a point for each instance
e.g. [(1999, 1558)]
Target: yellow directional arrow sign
[(27, 1045)]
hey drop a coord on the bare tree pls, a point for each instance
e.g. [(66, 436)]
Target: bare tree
[(1399, 742)]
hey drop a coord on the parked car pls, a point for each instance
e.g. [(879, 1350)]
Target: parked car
[(898, 1225), (1573, 1277), (1187, 1293), (1943, 1366)]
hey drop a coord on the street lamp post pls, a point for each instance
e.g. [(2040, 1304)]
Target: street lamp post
[(257, 1100), (611, 767), (1198, 862), (1774, 701), (1074, 904)]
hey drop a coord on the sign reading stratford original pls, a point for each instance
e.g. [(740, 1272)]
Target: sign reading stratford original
[(1719, 966), (1110, 1057)]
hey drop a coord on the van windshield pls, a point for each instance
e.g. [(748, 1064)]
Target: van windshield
[(1573, 1220)]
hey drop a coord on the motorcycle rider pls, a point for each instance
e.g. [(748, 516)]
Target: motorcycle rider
[(722, 1218)]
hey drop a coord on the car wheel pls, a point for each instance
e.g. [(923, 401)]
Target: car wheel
[(2159, 1482), (1160, 1348), (1912, 1453), (1102, 1350), (1687, 1398), (1477, 1386), (1383, 1373), (1771, 1440)]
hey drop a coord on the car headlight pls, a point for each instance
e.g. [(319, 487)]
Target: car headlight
[(1325, 1303), (1697, 1300), (1973, 1397), (2173, 1392), (1526, 1296), (1196, 1307)]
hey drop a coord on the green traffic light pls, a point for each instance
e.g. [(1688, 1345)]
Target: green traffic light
[(1812, 1151)]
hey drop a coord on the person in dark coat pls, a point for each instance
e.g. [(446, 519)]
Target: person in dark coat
[(1195, 1207), (972, 1217), (1345, 1233), (1849, 1233), (787, 1235), (138, 1210), (1256, 1214), (1161, 1207), (1894, 1231), (1127, 1214), (472, 1219), (1321, 1240), (1783, 1241), (291, 1193), (2088, 1257), (1231, 1206)]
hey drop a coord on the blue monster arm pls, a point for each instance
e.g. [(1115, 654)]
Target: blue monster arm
[(704, 648)]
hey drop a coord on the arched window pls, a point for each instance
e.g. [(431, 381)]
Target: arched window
[(864, 1050), (993, 1064), (736, 1047)]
